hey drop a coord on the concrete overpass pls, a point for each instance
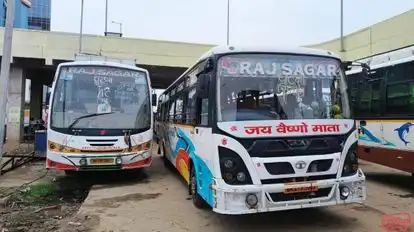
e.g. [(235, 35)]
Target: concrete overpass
[(165, 60), (384, 36), (37, 53)]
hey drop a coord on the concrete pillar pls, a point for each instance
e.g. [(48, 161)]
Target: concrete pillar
[(15, 105), (36, 96)]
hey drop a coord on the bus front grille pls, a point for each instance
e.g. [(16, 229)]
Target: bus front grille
[(101, 142), (266, 148), (298, 179), (284, 168)]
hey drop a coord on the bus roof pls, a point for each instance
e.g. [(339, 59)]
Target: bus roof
[(102, 63), (224, 49), (391, 58)]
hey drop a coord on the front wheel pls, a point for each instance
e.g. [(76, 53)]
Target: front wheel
[(198, 201)]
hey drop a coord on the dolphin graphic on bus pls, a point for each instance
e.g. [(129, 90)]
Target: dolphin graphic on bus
[(403, 130)]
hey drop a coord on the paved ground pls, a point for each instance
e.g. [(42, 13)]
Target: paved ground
[(155, 201)]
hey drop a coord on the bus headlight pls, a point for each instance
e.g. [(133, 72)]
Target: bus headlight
[(228, 163), (241, 176), (83, 162), (233, 170), (118, 160)]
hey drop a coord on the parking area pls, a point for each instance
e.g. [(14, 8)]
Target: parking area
[(157, 201)]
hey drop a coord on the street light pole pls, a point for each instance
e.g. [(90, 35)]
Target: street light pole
[(5, 70), (106, 16), (228, 22), (81, 29), (342, 26)]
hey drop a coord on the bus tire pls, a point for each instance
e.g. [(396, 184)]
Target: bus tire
[(198, 201), (165, 161)]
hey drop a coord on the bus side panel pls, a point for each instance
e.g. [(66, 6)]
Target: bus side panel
[(393, 149), (189, 143), (370, 135)]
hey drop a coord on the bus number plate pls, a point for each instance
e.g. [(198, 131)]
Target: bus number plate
[(102, 161), (306, 189)]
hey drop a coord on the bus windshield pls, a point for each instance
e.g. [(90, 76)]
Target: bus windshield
[(279, 86), (101, 97)]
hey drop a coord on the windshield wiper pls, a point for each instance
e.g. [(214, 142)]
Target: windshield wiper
[(86, 116)]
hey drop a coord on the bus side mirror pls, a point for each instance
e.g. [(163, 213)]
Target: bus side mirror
[(154, 99), (203, 81), (366, 70)]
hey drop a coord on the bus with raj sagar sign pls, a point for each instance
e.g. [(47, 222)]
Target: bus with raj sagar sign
[(100, 117), (262, 129)]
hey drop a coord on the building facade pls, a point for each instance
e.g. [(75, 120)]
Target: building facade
[(29, 14), (39, 15)]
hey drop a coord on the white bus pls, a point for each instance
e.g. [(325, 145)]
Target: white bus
[(100, 117), (383, 106), (255, 129)]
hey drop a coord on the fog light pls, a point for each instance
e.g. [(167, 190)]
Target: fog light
[(251, 200), (118, 160), (344, 192), (82, 162), (241, 176)]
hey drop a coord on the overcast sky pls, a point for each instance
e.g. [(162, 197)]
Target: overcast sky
[(290, 22)]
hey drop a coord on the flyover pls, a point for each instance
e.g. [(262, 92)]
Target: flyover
[(36, 54), (165, 60), (388, 35)]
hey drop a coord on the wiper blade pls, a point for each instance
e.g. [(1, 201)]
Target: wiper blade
[(86, 116)]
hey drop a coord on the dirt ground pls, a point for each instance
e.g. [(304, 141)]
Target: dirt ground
[(156, 200), (41, 206)]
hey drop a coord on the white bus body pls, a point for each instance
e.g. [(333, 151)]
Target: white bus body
[(221, 133), (100, 117)]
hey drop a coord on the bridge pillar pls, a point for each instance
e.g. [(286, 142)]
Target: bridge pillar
[(36, 98), (15, 103)]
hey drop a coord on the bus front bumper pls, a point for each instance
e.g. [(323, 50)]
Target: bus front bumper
[(84, 162), (272, 197)]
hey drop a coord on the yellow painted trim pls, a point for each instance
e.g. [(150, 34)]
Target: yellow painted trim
[(181, 125)]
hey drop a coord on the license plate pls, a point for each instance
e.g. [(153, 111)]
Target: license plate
[(101, 161), (304, 189)]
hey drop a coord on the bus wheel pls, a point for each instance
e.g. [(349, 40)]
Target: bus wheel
[(166, 162), (198, 201)]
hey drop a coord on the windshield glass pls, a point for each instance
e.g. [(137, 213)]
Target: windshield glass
[(276, 86), (119, 97)]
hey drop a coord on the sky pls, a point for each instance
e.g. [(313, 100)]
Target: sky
[(266, 22)]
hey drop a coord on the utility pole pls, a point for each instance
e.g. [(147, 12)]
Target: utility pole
[(106, 17), (81, 29), (342, 26), (5, 70), (228, 22)]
